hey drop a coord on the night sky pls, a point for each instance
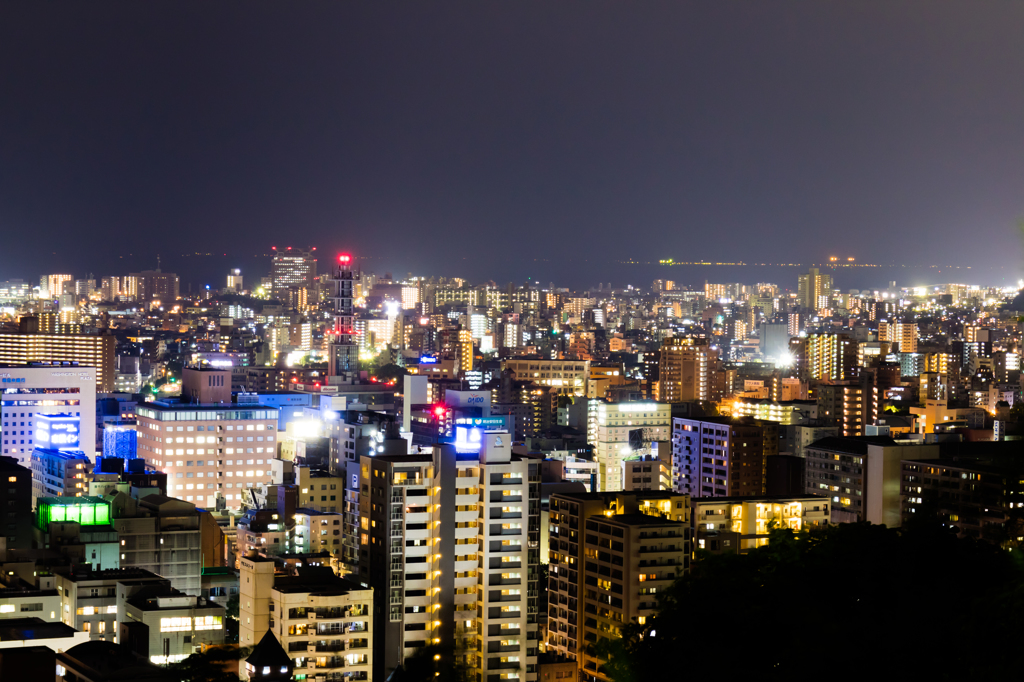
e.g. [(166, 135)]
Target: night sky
[(472, 138)]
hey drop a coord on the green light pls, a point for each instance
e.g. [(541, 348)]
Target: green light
[(87, 511)]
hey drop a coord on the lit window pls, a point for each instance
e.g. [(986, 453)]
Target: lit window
[(175, 624)]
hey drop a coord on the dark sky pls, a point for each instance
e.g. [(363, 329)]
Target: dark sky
[(471, 138)]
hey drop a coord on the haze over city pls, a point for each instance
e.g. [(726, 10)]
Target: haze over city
[(421, 136)]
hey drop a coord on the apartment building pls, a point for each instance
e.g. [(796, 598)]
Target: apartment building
[(738, 524), (647, 472), (63, 353), (209, 451), (453, 540), (323, 622), (721, 457), (862, 476), (609, 556), (685, 367)]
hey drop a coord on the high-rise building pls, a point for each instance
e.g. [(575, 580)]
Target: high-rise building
[(825, 357), (55, 284), (862, 476), (234, 282), (55, 390), (208, 451), (610, 556), (451, 541), (812, 288), (850, 405), (16, 501), (154, 285), (685, 370), (608, 430), (719, 457), (903, 333), (64, 355), (342, 348), (292, 269)]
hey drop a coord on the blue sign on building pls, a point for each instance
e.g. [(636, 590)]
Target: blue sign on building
[(58, 431)]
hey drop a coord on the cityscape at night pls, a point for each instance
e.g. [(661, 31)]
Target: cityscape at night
[(521, 342)]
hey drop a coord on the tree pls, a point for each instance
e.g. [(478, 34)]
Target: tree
[(862, 594), (231, 620), (215, 664)]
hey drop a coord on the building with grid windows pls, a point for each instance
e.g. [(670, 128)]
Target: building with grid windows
[(209, 451)]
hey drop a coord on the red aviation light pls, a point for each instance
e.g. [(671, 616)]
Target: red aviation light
[(344, 259)]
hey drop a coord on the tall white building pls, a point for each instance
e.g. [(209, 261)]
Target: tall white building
[(453, 541), (608, 427), (49, 390)]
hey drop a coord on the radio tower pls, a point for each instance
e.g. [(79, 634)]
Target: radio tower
[(343, 352)]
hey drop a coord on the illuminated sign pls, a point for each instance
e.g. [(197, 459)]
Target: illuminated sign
[(468, 439), (428, 360), (58, 432), (481, 421)]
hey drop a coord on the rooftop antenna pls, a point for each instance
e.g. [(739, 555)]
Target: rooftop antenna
[(158, 262)]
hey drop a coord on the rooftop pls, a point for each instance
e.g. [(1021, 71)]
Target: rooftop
[(319, 580), (761, 498), (14, 629), (638, 520)]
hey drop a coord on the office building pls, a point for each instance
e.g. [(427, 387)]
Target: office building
[(610, 555), (208, 451), (323, 622), (166, 626), (291, 270), (608, 430), (568, 377), (29, 393)]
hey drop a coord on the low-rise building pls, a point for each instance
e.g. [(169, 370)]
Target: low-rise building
[(170, 626), (739, 524)]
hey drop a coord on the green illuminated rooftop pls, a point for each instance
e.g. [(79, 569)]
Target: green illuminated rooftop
[(87, 511)]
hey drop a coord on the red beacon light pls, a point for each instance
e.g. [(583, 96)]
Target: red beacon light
[(439, 410), (344, 258)]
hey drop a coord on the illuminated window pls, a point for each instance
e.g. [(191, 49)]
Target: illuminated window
[(175, 624), (209, 623)]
